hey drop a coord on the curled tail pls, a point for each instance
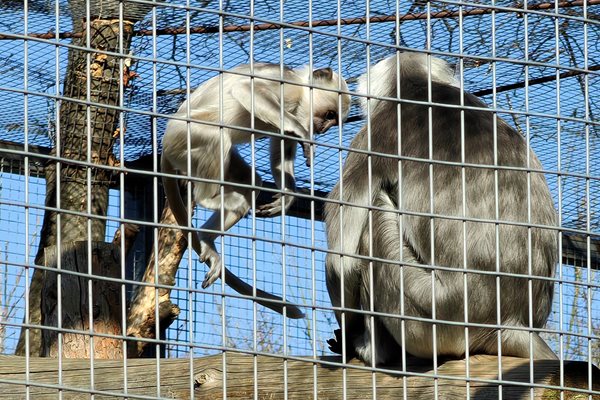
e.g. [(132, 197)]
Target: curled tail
[(178, 209)]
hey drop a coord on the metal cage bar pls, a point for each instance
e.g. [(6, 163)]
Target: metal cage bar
[(532, 64)]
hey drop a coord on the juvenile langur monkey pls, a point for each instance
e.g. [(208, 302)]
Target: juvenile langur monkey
[(210, 147), (468, 240)]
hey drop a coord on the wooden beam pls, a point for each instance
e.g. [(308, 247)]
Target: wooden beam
[(305, 377)]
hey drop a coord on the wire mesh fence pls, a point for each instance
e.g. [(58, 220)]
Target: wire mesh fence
[(88, 89)]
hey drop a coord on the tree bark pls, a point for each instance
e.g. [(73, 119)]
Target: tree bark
[(72, 311), (86, 133), (141, 317)]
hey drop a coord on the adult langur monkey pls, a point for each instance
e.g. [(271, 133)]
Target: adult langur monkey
[(435, 134), (210, 147)]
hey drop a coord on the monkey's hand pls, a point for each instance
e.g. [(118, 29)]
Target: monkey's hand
[(305, 146), (274, 208), (306, 153), (335, 345)]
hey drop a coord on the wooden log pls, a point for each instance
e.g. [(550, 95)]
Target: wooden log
[(141, 316), (75, 301), (131, 231), (305, 378)]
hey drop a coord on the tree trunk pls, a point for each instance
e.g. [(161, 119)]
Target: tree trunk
[(73, 312), (86, 133)]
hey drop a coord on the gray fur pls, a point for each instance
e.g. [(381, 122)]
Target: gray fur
[(211, 147), (407, 238)]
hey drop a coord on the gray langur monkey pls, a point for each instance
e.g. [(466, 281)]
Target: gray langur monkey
[(505, 228), (244, 97)]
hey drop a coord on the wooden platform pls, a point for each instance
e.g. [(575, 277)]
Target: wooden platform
[(306, 378)]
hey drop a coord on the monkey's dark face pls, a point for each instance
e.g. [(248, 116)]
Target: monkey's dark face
[(325, 120)]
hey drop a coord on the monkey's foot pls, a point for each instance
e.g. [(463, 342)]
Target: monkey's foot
[(275, 207), (269, 210), (335, 345), (213, 273)]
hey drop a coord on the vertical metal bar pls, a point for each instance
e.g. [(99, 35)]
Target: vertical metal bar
[(431, 201), (189, 200), (222, 177), (284, 236), (155, 188), (370, 204), (283, 213), (254, 194), (496, 201), (342, 260), (122, 197), (400, 208), (88, 205), (59, 249), (222, 191), (312, 211), (528, 165), (88, 158), (586, 99), (26, 166), (155, 169), (89, 177), (463, 177), (313, 298), (561, 338)]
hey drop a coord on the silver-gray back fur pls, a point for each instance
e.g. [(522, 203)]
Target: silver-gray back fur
[(402, 189)]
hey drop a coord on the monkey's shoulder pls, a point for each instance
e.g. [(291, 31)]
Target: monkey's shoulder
[(267, 70), (268, 66)]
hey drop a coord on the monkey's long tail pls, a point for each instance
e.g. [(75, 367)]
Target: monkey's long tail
[(178, 209)]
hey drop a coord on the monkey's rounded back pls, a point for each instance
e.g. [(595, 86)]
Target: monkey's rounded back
[(459, 193), (490, 210)]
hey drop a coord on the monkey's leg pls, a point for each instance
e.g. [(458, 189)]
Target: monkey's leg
[(236, 203), (376, 346), (346, 225), (516, 343), (449, 292)]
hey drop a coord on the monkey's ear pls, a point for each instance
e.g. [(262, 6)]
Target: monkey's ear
[(323, 73)]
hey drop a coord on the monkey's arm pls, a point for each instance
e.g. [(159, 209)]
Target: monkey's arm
[(288, 184), (353, 324), (267, 108), (347, 219), (346, 224)]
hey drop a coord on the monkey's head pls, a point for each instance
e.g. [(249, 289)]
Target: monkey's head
[(326, 101), (382, 76)]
